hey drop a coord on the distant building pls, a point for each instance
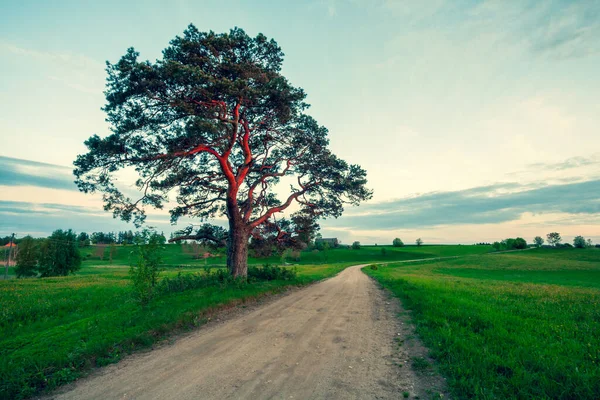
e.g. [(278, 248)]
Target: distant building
[(332, 242), (8, 245)]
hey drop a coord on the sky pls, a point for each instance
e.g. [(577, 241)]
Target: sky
[(475, 120)]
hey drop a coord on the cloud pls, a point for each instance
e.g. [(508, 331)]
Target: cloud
[(18, 172), (75, 71), (568, 30), (40, 219), (482, 205), (553, 28), (570, 163), (77, 61)]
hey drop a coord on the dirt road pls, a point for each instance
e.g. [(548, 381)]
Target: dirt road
[(334, 339)]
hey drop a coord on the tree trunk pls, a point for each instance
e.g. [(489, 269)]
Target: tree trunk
[(237, 249)]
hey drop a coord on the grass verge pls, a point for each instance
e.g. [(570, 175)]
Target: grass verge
[(54, 330), (520, 325)]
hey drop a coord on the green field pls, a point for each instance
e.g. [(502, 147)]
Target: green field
[(179, 255), (52, 329), (512, 325), (503, 326)]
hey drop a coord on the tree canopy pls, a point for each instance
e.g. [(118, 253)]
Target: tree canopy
[(215, 125)]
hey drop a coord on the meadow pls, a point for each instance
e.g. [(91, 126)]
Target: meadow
[(53, 330), (520, 325)]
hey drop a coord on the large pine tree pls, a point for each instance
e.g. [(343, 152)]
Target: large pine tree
[(215, 123)]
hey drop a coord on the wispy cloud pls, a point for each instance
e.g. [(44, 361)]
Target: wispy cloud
[(18, 172), (41, 219), (75, 71), (72, 60), (482, 205), (570, 163)]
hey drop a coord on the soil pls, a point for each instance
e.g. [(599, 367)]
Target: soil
[(342, 338)]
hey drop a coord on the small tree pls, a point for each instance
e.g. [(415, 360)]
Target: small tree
[(112, 251), (419, 242), (59, 254), (398, 242), (554, 238), (27, 258), (538, 241), (144, 274), (83, 239), (356, 245), (579, 242), (589, 243)]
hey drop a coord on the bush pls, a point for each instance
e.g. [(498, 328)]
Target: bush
[(356, 245), (374, 267), (181, 283), (271, 273), (398, 242), (221, 277)]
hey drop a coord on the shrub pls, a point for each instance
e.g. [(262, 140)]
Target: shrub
[(374, 267), (383, 251), (271, 273), (398, 242), (356, 245)]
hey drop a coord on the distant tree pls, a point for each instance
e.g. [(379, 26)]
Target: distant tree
[(27, 257), (100, 250), (508, 244), (112, 251), (83, 239), (398, 242), (519, 244), (538, 241), (356, 245), (589, 243), (419, 242), (579, 242), (554, 238), (59, 254), (497, 246), (305, 226)]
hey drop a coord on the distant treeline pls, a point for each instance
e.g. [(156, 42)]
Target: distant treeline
[(84, 239)]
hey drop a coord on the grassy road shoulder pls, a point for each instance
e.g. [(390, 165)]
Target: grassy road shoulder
[(55, 329), (520, 325)]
